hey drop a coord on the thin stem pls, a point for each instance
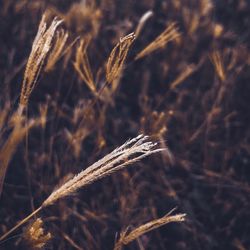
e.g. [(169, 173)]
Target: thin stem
[(21, 223)]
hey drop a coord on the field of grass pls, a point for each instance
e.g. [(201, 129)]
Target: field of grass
[(125, 124)]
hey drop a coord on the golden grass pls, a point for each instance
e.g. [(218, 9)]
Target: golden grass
[(189, 69), (126, 238), (169, 34), (19, 130), (56, 52), (130, 152), (117, 57), (82, 65), (35, 236), (205, 122), (216, 59), (48, 47), (40, 48)]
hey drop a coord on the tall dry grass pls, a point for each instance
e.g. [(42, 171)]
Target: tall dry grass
[(130, 152), (169, 34), (117, 57), (82, 65), (40, 48), (127, 237), (192, 95), (19, 128)]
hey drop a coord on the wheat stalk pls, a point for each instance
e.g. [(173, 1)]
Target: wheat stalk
[(130, 152), (40, 48)]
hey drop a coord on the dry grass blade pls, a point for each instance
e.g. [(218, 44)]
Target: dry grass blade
[(56, 52), (39, 51), (117, 57), (18, 133), (218, 65), (169, 34), (82, 65), (126, 238), (130, 152)]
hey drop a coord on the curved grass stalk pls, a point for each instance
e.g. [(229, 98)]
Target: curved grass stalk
[(131, 151)]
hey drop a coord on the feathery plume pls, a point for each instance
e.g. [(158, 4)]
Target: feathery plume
[(169, 34), (56, 52), (189, 69), (126, 238), (130, 152), (82, 65), (39, 51), (218, 64), (118, 56)]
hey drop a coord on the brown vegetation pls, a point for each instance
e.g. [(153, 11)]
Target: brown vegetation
[(80, 77)]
